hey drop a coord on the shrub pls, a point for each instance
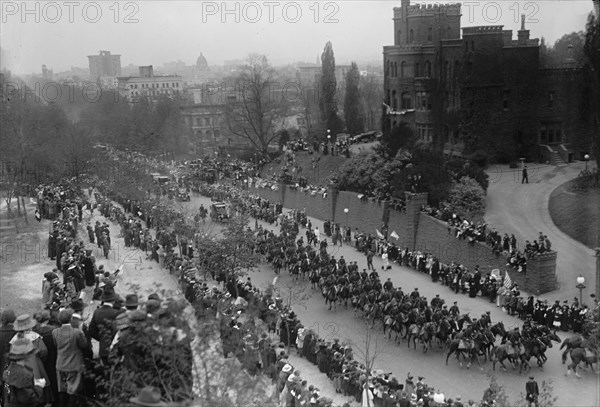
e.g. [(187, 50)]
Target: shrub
[(467, 198)]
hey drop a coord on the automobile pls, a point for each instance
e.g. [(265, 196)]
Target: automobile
[(183, 195), (163, 180), (219, 211), (365, 137)]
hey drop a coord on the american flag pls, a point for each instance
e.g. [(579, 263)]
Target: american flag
[(507, 281)]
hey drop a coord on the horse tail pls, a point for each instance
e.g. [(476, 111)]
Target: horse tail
[(564, 344)]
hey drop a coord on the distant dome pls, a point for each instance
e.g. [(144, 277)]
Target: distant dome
[(201, 62)]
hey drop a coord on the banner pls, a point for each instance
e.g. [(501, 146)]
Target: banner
[(395, 235)]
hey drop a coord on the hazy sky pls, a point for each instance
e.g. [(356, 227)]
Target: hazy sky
[(62, 34)]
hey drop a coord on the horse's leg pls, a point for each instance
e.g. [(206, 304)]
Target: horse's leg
[(448, 355), (564, 355)]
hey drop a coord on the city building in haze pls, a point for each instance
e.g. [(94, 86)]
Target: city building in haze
[(148, 85), (103, 65), (483, 90)]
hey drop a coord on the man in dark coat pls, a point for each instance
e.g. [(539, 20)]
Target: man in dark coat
[(7, 332), (103, 327), (532, 392)]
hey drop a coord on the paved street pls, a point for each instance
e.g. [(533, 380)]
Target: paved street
[(522, 209), (451, 379)]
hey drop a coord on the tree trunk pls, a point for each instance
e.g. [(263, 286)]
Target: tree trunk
[(18, 206), (24, 210)]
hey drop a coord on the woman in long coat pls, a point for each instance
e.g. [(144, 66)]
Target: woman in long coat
[(23, 326)]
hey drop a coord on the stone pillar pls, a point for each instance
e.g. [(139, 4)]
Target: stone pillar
[(335, 192), (414, 202), (541, 274)]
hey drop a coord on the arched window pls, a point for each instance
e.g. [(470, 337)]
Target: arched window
[(429, 34), (395, 69), (456, 68), (388, 98), (402, 67), (399, 39), (411, 36), (428, 69), (448, 32), (406, 100), (417, 70), (394, 101)]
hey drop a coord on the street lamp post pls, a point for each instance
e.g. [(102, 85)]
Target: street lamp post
[(346, 210), (581, 286), (586, 158)]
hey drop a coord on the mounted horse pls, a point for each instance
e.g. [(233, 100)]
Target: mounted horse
[(579, 355), (498, 329), (502, 352), (465, 348), (444, 331), (462, 319), (426, 335), (534, 348), (412, 334), (571, 343), (330, 294)]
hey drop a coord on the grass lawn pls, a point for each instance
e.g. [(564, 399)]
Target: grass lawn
[(577, 214)]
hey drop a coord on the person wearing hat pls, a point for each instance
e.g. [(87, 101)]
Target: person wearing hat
[(23, 326), (147, 397), (409, 385), (70, 344), (44, 328), (532, 392), (454, 310), (25, 390), (102, 327), (7, 332), (404, 400), (458, 402)]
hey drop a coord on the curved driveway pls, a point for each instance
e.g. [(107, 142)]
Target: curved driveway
[(522, 209)]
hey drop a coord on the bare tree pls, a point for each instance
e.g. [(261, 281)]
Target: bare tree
[(368, 350), (259, 104)]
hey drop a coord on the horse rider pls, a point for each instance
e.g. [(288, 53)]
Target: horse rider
[(454, 309), (514, 337)]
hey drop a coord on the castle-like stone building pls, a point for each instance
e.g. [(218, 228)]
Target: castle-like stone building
[(482, 89)]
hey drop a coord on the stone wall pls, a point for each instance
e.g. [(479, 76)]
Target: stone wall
[(433, 237), (417, 231)]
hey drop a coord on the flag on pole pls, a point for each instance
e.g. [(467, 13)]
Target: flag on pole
[(507, 281), (395, 235), (379, 234)]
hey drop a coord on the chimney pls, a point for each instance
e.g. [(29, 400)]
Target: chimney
[(523, 34)]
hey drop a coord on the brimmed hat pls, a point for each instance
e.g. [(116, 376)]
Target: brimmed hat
[(131, 300), (78, 305), (148, 396), (24, 323), (108, 294), (20, 349), (287, 368)]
